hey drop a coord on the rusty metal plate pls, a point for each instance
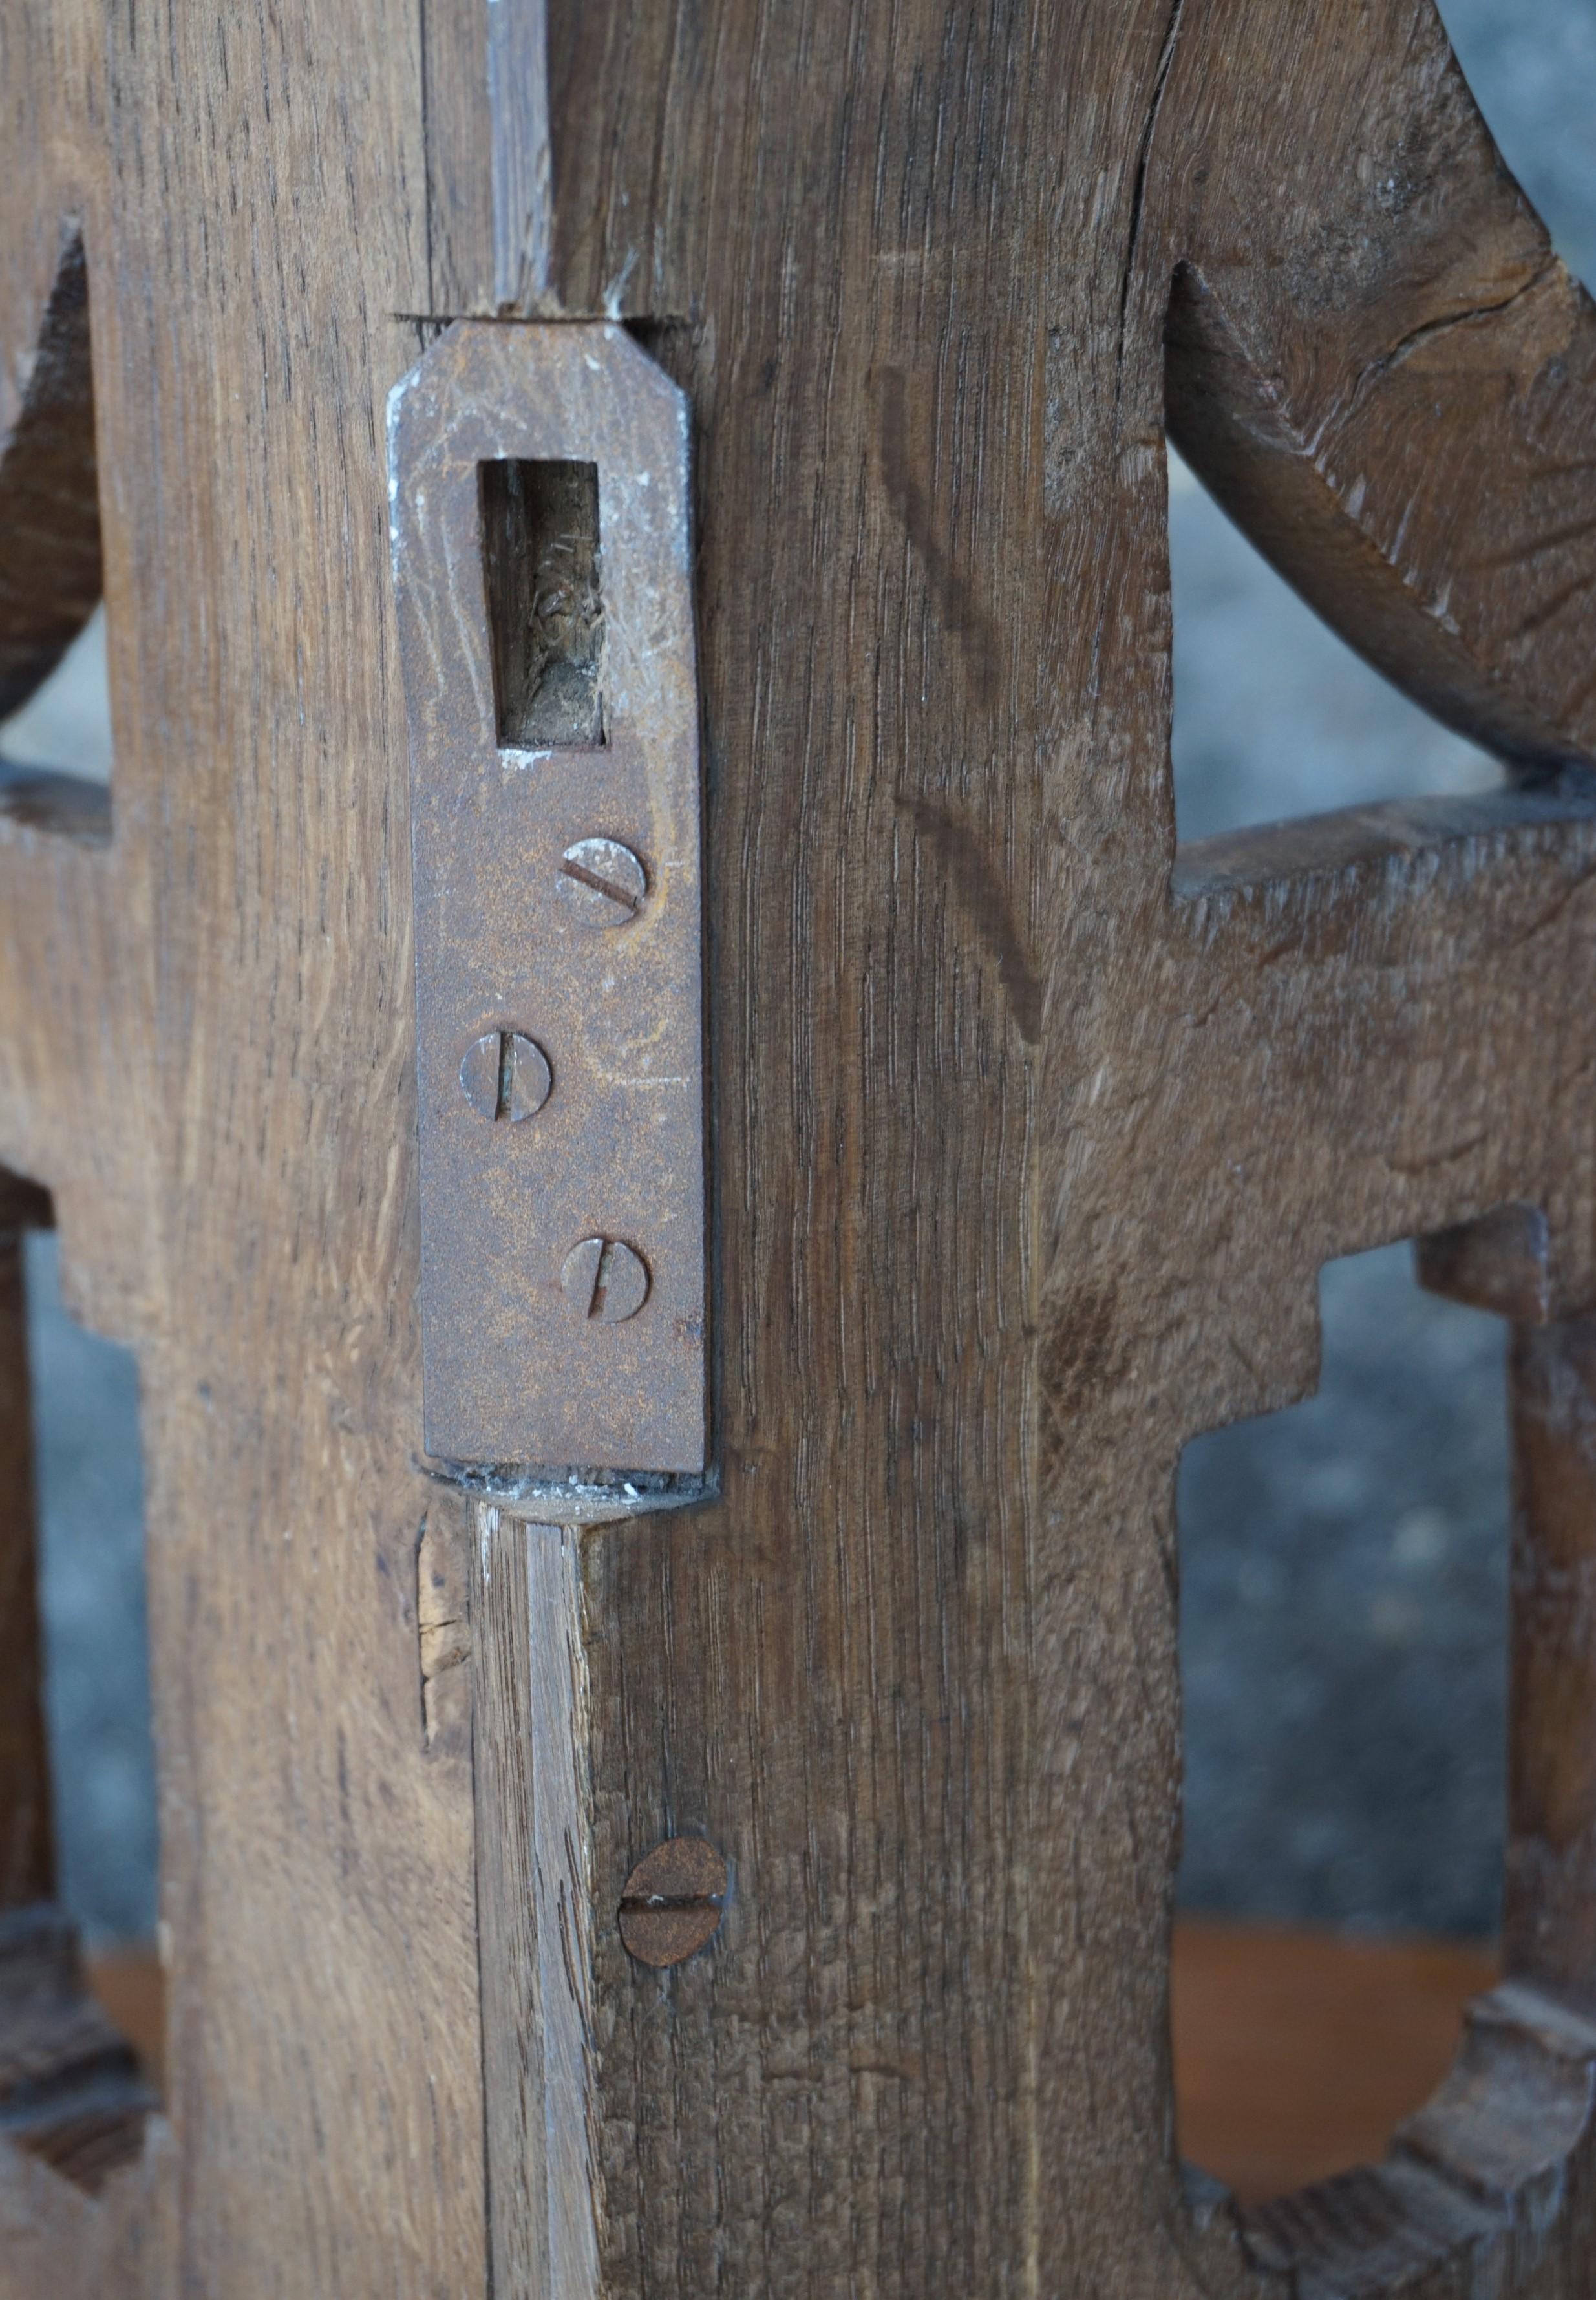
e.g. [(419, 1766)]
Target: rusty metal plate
[(547, 632)]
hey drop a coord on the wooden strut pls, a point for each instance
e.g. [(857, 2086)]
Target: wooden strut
[(1028, 1133)]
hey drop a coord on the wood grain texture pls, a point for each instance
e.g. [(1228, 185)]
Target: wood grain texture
[(458, 215), (536, 1899), (1026, 1153), (1027, 1161), (1296, 2051), (236, 1195), (518, 104)]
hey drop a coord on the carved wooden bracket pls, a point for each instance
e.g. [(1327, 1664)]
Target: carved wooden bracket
[(1030, 1134)]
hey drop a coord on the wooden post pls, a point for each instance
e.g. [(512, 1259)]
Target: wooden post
[(1028, 1133)]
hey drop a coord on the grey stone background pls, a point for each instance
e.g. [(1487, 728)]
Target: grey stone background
[(1344, 1565)]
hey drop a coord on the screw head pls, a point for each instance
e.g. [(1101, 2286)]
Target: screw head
[(506, 1075), (674, 1901), (605, 1279), (601, 882)]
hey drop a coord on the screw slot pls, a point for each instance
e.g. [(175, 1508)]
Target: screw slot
[(605, 1279), (602, 882), (506, 1075), (673, 1902)]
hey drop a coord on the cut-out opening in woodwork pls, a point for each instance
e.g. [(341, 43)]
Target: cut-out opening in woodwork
[(56, 749), (1343, 1571), (1274, 717), (64, 726), (540, 540), (76, 1811), (54, 721)]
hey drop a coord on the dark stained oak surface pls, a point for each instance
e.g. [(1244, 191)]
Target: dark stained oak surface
[(1024, 1153)]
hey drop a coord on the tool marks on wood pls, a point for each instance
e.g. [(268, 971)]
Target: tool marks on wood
[(908, 450), (989, 905), (442, 1622)]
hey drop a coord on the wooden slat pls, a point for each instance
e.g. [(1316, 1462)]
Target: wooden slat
[(235, 1187), (535, 1899), (488, 193), (457, 156)]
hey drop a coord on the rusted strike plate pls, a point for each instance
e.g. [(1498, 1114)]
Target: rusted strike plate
[(546, 635)]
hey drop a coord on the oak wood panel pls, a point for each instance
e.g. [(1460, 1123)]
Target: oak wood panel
[(1026, 1162), (1025, 1157), (234, 1175), (868, 2079), (269, 204)]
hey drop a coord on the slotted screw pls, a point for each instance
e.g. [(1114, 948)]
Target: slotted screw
[(506, 1075), (674, 1901), (605, 1279), (602, 882)]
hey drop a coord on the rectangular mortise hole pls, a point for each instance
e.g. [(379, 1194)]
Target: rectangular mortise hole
[(540, 541)]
